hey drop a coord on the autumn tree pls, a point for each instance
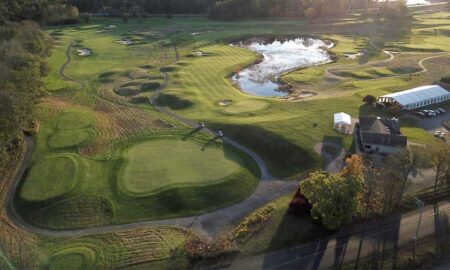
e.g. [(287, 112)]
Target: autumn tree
[(333, 198), (438, 155)]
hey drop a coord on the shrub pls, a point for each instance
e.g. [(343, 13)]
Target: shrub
[(369, 99), (199, 248), (253, 224), (446, 79)]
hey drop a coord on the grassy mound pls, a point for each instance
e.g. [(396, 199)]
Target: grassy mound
[(70, 138), (76, 258), (51, 178), (74, 120), (155, 165), (247, 106), (128, 91), (76, 212)]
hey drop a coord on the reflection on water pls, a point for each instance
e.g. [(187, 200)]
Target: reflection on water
[(412, 2), (279, 58)]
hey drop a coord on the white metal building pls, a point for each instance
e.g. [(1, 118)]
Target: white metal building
[(342, 120), (417, 97)]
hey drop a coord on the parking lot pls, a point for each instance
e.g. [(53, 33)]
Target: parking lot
[(433, 123)]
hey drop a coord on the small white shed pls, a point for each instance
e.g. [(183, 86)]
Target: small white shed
[(342, 121)]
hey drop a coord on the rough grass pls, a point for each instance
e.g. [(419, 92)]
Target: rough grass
[(50, 178), (184, 163), (278, 229)]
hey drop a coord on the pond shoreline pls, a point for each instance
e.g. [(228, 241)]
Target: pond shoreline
[(284, 87)]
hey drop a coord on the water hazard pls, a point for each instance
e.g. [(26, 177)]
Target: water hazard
[(279, 56)]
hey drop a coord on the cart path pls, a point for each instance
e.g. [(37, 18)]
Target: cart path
[(330, 74), (210, 224)]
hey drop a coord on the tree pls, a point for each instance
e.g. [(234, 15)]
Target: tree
[(370, 99), (438, 154), (333, 198), (310, 13), (399, 165)]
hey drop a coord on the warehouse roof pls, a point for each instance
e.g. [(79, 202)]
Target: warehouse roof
[(418, 94)]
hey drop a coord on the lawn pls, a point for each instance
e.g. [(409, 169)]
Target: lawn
[(131, 163), (50, 178), (161, 164)]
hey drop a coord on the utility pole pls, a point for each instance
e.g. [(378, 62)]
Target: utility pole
[(420, 205)]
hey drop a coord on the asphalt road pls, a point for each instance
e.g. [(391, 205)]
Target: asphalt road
[(364, 240)]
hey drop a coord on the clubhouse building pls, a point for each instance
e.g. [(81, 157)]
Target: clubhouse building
[(380, 135), (417, 97)]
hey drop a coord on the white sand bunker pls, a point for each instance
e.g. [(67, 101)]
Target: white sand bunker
[(111, 26), (195, 33), (197, 53), (84, 52), (225, 102), (353, 55), (99, 31), (126, 42)]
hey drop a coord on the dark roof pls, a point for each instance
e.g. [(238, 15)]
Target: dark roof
[(379, 125), (381, 131)]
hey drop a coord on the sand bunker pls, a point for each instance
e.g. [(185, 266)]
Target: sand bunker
[(353, 55), (126, 42), (84, 52), (195, 34), (225, 102)]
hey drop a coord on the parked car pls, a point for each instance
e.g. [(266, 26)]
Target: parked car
[(431, 114), (437, 133), (420, 114), (437, 111), (441, 110), (220, 133)]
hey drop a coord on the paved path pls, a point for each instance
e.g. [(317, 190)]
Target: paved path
[(364, 240), (331, 74), (332, 163), (209, 224)]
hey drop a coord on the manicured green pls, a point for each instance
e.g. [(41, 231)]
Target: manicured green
[(74, 120), (50, 178), (70, 138), (247, 106), (79, 258), (161, 164)]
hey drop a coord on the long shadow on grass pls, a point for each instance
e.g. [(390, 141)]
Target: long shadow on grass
[(283, 157), (191, 133), (210, 142), (294, 230)]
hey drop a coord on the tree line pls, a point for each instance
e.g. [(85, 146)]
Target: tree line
[(23, 50), (364, 190), (41, 11)]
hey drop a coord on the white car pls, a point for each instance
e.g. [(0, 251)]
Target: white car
[(441, 110), (438, 133)]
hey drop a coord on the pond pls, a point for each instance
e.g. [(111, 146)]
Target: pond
[(412, 2), (279, 56)]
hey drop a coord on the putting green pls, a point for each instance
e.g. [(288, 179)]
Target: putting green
[(70, 137), (74, 120), (246, 106), (50, 178), (155, 165), (78, 258)]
